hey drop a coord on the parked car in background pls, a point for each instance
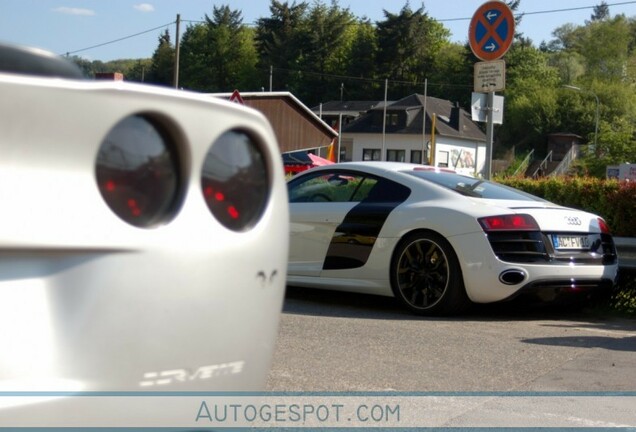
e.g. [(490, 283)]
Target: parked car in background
[(143, 237), (438, 240)]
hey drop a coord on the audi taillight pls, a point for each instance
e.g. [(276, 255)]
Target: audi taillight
[(137, 171), (603, 226), (517, 222), (235, 180)]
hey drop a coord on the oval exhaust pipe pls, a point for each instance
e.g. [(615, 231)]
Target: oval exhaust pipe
[(512, 277)]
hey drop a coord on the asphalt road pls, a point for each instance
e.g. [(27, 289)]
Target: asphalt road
[(342, 342)]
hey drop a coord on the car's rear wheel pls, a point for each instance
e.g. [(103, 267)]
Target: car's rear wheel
[(426, 276)]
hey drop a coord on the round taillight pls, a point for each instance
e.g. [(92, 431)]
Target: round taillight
[(235, 180), (137, 171)]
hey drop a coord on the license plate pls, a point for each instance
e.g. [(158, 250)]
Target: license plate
[(570, 242)]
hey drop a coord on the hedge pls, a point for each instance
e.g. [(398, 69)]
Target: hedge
[(614, 201)]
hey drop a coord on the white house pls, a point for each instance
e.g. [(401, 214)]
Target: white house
[(451, 139)]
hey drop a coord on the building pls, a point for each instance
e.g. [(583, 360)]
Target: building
[(296, 127), (451, 139), (109, 76), (335, 112)]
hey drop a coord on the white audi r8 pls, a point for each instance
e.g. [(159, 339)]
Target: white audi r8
[(438, 240), (136, 235)]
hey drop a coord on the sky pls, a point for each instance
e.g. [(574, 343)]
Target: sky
[(121, 29)]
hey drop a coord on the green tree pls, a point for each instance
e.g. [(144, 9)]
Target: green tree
[(531, 113), (220, 54), (328, 43), (605, 47), (280, 40), (570, 65), (566, 38), (531, 104), (524, 62), (408, 44), (597, 58), (137, 70), (452, 76), (617, 117), (601, 12), (162, 67), (194, 59), (616, 145), (593, 57), (231, 51), (362, 62)]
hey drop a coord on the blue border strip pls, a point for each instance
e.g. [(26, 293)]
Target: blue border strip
[(313, 429), (318, 394)]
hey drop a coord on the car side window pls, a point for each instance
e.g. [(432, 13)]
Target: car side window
[(364, 188), (387, 191), (330, 186)]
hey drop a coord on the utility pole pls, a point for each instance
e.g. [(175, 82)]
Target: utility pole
[(424, 122), (176, 53), (490, 129), (386, 91)]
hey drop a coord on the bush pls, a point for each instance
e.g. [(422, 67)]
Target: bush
[(614, 201), (623, 299)]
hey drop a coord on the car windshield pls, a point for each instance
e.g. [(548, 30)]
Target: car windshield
[(472, 187)]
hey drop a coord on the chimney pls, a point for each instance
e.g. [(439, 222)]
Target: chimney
[(111, 76), (457, 119)]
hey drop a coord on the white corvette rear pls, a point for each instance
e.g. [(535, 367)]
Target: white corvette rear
[(143, 238)]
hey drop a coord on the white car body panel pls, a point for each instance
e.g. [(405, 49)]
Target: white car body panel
[(91, 303), (310, 235)]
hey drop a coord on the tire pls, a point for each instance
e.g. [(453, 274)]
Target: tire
[(426, 276)]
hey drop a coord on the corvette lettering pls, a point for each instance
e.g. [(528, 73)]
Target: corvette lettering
[(186, 375)]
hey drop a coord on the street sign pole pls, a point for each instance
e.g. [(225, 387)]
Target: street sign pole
[(490, 35), (489, 134)]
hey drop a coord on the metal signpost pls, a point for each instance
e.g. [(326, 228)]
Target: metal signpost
[(490, 35)]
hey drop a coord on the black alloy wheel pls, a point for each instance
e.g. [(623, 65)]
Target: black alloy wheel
[(426, 276)]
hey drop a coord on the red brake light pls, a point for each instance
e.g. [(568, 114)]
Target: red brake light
[(519, 222), (235, 180), (603, 226), (137, 170)]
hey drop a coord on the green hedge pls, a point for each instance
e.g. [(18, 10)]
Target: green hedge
[(623, 298), (613, 200)]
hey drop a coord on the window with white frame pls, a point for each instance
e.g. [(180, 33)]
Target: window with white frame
[(392, 119), (371, 154), (442, 160), (395, 155)]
